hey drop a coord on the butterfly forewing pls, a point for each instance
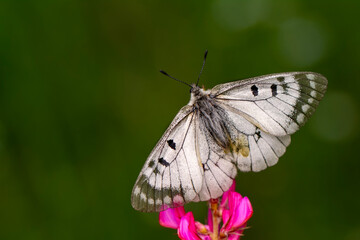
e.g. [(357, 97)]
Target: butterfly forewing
[(172, 174), (278, 103)]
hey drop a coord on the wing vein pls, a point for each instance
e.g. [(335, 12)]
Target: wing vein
[(271, 117), (192, 182)]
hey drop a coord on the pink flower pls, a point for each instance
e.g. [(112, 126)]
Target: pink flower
[(187, 229), (171, 217), (235, 215), (234, 211)]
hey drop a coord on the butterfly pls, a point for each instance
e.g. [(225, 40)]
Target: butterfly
[(243, 125)]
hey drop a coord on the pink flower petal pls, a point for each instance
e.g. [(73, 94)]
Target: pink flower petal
[(203, 237), (187, 229), (225, 215), (237, 234), (243, 213), (233, 237), (170, 217), (201, 228), (240, 211), (226, 194)]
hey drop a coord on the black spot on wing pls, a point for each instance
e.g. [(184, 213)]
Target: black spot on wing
[(257, 135), (281, 79), (254, 90), (274, 90), (151, 163), (171, 144), (205, 167), (164, 162)]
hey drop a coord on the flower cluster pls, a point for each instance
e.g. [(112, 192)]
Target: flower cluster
[(233, 211)]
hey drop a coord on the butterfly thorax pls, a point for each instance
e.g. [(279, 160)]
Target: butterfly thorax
[(197, 93), (211, 116)]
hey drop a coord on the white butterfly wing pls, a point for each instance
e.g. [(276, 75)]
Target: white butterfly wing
[(186, 165), (172, 174), (262, 112), (277, 103)]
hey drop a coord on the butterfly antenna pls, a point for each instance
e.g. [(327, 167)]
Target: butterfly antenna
[(163, 72), (206, 52)]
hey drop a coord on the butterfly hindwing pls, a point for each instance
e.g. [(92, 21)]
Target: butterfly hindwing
[(264, 151), (252, 149)]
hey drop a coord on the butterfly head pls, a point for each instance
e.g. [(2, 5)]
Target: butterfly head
[(197, 93), (195, 89)]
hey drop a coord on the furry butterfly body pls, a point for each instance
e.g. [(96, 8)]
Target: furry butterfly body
[(243, 125)]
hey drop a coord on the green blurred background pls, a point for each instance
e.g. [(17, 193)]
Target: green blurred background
[(82, 103)]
